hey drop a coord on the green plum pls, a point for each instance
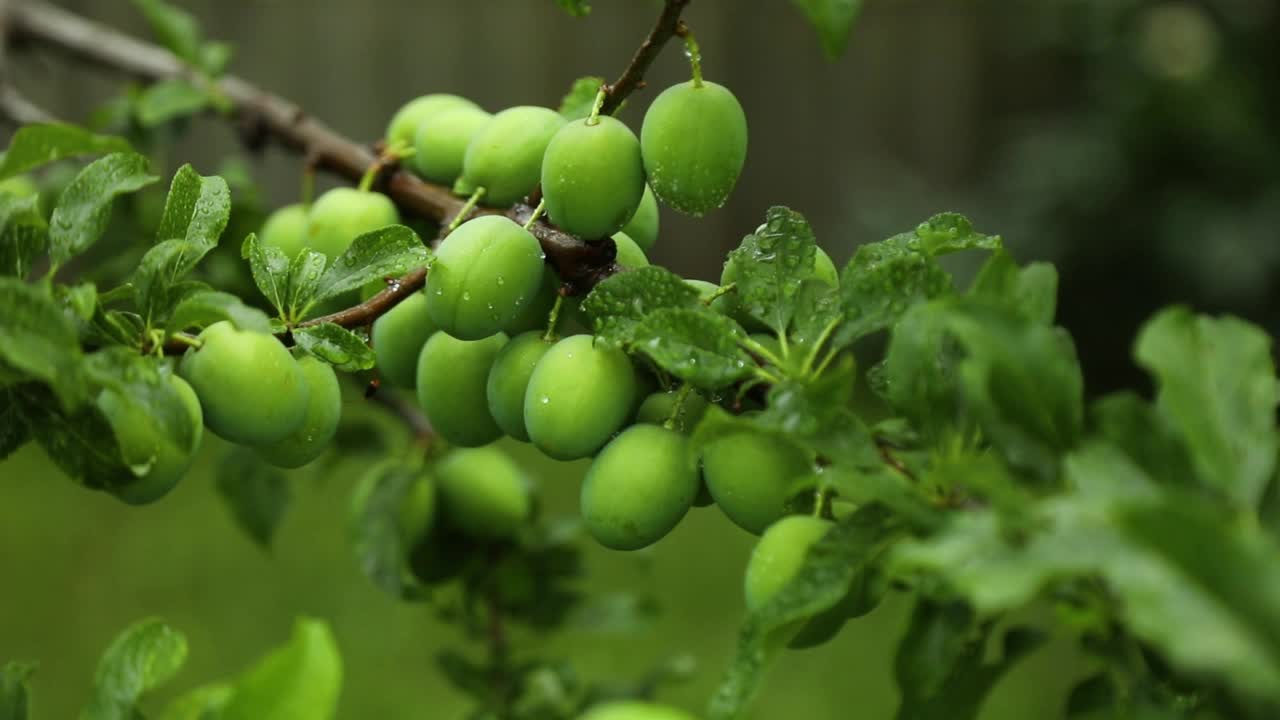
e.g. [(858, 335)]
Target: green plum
[(536, 311), (505, 157), (775, 561), (509, 379), (324, 409), (250, 387), (643, 226), (484, 492), (297, 681), (286, 228), (750, 475), (579, 396), (452, 375), (629, 255), (418, 509), (593, 177), (639, 487), (694, 143), (441, 142), (483, 275), (140, 437), (342, 214), (398, 337), (658, 406), (634, 710), (405, 123)]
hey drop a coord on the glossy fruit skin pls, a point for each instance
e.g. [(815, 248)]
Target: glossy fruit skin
[(750, 476), (536, 311), (694, 143), (593, 177), (629, 255), (505, 157), (729, 304), (509, 380), (139, 437), (657, 407), (342, 214), (483, 492), (324, 410), (643, 226), (639, 487), (406, 121), (271, 688), (441, 142), (250, 387), (579, 396), (418, 510), (775, 561), (483, 275), (398, 337), (452, 375), (286, 228), (635, 710)]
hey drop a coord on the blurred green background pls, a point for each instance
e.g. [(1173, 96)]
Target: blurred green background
[(1136, 143)]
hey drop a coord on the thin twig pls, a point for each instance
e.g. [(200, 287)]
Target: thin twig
[(633, 77)]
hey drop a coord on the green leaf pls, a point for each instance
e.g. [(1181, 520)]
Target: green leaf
[(375, 530), (817, 413), (81, 443), (946, 233), (168, 100), (577, 103), (270, 269), (209, 306), (138, 383), (771, 265), (921, 371), (618, 305), (335, 345), (38, 341), (1146, 436), (142, 658), (882, 281), (833, 19), (576, 8), (203, 703), (305, 273), (939, 666), (175, 28), (817, 314), (197, 209), (24, 234), (1218, 389), (256, 493), (830, 568), (36, 145), (14, 692), (387, 252), (1032, 291), (158, 280), (299, 680), (84, 207), (696, 345), (14, 431)]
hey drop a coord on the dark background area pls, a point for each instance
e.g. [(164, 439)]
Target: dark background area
[(1135, 144)]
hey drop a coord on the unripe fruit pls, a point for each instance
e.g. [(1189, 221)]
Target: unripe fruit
[(593, 177), (750, 476), (250, 387), (398, 337), (657, 407), (441, 142), (286, 228), (342, 214), (324, 409), (483, 275), (536, 311), (405, 123), (694, 142), (639, 487), (629, 254), (139, 436), (509, 379), (579, 396), (418, 510), (775, 561), (452, 375), (643, 226), (505, 157), (483, 492), (634, 710)]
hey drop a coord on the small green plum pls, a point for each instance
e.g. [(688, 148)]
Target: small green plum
[(643, 226), (398, 337), (505, 157), (535, 312), (579, 396), (452, 375), (634, 710), (658, 406), (593, 177), (286, 228), (775, 561), (639, 487), (342, 214), (694, 144), (509, 380), (140, 437), (484, 492), (483, 275), (406, 121), (750, 476), (324, 409), (418, 509), (629, 255), (441, 143)]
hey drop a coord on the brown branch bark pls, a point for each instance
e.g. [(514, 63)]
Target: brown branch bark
[(632, 78)]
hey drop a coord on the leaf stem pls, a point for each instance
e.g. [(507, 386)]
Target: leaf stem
[(720, 292), (813, 354), (188, 340), (466, 209), (760, 350)]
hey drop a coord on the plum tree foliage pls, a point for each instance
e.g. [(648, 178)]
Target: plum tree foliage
[(884, 428)]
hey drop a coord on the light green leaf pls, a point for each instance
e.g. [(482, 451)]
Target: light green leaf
[(206, 307), (256, 493), (388, 252), (618, 305), (203, 703), (1218, 390), (270, 269), (577, 103), (946, 233), (84, 208), (833, 19), (14, 691), (694, 344), (142, 658), (335, 345), (36, 145), (299, 680), (197, 209), (174, 27), (38, 341), (1032, 291), (168, 100), (771, 264)]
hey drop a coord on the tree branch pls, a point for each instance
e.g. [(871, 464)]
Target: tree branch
[(632, 78)]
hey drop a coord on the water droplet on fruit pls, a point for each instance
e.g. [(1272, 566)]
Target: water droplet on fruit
[(466, 295), (501, 281), (545, 400)]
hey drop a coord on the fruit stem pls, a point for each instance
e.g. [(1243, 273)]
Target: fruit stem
[(821, 503), (760, 350), (721, 292), (366, 180), (188, 340), (594, 117), (678, 407), (308, 191), (466, 210), (537, 213), (553, 319), (693, 52)]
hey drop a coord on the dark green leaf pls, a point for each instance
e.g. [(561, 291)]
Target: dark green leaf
[(388, 252), (818, 313), (921, 371), (84, 207), (256, 493), (14, 692), (168, 100), (771, 265), (270, 268), (36, 145), (157, 281), (833, 19), (139, 383), (209, 306), (142, 658), (197, 209), (24, 234), (1218, 390), (305, 273), (577, 103), (1146, 436), (38, 340), (817, 413), (883, 281), (694, 344), (335, 345), (81, 300), (14, 432), (576, 8), (174, 27), (946, 233), (302, 679), (1031, 291), (374, 527), (618, 305)]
